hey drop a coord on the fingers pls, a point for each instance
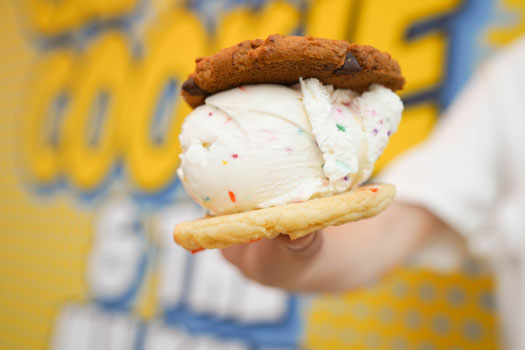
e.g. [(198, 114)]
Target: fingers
[(277, 262), (234, 254)]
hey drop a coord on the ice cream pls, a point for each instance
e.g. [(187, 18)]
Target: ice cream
[(265, 145)]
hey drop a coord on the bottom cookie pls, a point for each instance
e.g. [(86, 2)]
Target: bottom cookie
[(295, 220)]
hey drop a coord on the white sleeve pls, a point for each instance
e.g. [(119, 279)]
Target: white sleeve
[(471, 174), (455, 173)]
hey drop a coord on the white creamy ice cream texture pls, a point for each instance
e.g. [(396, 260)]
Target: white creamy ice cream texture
[(264, 145)]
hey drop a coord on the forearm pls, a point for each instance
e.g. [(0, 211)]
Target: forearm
[(355, 253)]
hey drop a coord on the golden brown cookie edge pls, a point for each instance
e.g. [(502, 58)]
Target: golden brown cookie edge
[(226, 230)]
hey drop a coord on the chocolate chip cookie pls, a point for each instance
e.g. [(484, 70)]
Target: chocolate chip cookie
[(284, 59)]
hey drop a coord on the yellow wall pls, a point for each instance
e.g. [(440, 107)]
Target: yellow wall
[(45, 237)]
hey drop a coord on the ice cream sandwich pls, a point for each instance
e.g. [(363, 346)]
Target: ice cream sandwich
[(283, 133)]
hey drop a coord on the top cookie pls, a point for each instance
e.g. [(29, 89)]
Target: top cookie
[(284, 59)]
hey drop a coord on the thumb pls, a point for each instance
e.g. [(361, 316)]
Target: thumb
[(301, 248)]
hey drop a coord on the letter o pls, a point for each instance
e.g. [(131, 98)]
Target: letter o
[(91, 136), (170, 51), (43, 107)]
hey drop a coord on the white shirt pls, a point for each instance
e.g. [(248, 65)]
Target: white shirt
[(471, 174)]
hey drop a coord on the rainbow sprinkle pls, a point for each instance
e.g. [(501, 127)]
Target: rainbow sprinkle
[(340, 127), (232, 196), (374, 189), (224, 162), (210, 114)]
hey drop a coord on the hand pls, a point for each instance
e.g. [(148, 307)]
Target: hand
[(336, 258), (278, 262)]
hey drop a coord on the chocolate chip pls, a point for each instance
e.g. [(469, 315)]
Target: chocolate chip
[(192, 88), (350, 66)]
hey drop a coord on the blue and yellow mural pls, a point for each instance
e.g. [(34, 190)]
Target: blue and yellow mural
[(89, 119)]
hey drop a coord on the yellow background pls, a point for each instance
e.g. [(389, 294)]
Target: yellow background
[(44, 239)]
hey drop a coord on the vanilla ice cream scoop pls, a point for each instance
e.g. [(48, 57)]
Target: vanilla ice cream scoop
[(265, 145)]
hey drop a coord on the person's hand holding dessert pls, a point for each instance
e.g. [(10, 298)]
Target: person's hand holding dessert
[(284, 133)]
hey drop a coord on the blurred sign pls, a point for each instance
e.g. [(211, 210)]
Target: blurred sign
[(91, 113)]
